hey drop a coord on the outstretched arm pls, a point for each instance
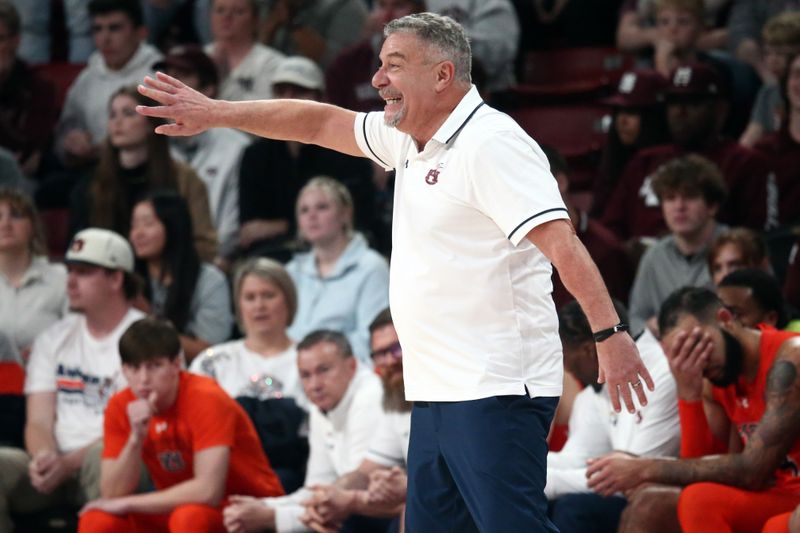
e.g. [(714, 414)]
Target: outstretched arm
[(620, 364), (191, 112)]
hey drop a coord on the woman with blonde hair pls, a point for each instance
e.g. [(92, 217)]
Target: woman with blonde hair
[(342, 284), (32, 289)]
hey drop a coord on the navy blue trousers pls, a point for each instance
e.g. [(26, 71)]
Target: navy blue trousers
[(479, 465), (587, 513)]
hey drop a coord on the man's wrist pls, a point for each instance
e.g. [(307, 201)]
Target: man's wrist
[(603, 334)]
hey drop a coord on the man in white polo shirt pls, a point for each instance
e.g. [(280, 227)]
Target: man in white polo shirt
[(477, 221)]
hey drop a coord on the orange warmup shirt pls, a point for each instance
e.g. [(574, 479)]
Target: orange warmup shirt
[(745, 404), (202, 416)]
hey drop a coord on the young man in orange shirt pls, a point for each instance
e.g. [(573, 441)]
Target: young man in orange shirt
[(197, 443)]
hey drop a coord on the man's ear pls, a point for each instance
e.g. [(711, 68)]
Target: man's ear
[(445, 75), (725, 317)]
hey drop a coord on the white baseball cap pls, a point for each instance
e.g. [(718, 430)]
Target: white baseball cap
[(299, 70), (101, 247)]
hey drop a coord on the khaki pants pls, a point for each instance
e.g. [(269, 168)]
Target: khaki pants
[(18, 495)]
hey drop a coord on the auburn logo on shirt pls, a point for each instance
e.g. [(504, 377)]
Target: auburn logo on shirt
[(433, 177), (171, 461)]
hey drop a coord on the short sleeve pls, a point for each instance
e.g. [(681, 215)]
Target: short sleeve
[(116, 427), (212, 422), (513, 185), (41, 370), (377, 141)]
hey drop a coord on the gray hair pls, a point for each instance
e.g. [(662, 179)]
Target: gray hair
[(441, 32), (271, 271), (319, 336)]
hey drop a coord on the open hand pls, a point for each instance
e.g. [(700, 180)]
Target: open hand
[(190, 111), (622, 369)]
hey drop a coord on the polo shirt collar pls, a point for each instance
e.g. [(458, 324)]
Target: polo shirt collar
[(459, 117), (338, 415)]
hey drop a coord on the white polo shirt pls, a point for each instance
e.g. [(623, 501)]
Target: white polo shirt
[(470, 296)]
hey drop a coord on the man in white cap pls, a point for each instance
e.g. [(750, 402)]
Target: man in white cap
[(74, 369)]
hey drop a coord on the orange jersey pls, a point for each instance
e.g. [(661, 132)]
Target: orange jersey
[(202, 416), (744, 403)]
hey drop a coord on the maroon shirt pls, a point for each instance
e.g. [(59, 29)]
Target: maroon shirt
[(783, 153), (348, 80), (28, 111), (634, 210), (609, 255)]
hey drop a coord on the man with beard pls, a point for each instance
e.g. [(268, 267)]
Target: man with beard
[(750, 399), (696, 112), (475, 206), (378, 486)]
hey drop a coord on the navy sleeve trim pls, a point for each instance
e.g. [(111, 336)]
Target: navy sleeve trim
[(534, 216), (366, 140)]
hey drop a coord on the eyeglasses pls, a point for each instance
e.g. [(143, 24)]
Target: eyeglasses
[(393, 350)]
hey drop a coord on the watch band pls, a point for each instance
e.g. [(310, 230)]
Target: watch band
[(603, 334)]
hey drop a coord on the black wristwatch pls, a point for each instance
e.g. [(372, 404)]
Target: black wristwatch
[(603, 334)]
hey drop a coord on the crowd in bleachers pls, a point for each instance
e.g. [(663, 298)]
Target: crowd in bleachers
[(671, 126)]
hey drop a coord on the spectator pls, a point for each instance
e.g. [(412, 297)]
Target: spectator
[(734, 249), (652, 431), (37, 23), (122, 58), (266, 302), (679, 25), (781, 38), (134, 161), (755, 481), (690, 190), (194, 296), (246, 67), (696, 111), (754, 298), (341, 282), (608, 253), (214, 154), (377, 488), (782, 148), (265, 212), (345, 410), (32, 290), (493, 31), (316, 29), (73, 371), (638, 122), (746, 21), (637, 29), (197, 443), (28, 108), (349, 77)]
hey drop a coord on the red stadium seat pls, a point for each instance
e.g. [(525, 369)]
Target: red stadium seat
[(61, 75), (571, 72), (56, 231), (574, 130)]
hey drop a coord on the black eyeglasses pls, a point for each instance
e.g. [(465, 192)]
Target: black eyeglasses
[(393, 350)]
